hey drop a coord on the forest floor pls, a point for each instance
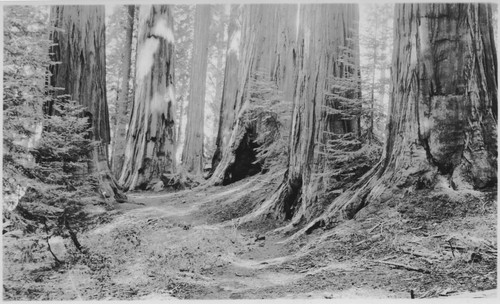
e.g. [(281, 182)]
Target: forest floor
[(190, 245)]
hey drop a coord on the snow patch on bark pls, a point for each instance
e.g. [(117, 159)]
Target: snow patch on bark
[(146, 57), (234, 46), (160, 101), (161, 29)]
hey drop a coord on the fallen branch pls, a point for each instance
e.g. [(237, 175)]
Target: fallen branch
[(374, 227), (420, 254), (403, 266), (389, 257), (437, 235), (454, 247)]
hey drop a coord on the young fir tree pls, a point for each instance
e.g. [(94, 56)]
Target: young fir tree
[(44, 155), (24, 70)]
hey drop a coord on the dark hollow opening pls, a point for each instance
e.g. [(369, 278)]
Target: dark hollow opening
[(245, 156)]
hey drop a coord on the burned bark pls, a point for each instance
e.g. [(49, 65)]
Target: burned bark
[(150, 147), (79, 47)]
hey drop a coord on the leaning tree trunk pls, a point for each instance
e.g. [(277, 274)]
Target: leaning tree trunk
[(325, 32), (192, 154), (256, 57), (150, 147), (442, 128), (120, 131), (79, 47)]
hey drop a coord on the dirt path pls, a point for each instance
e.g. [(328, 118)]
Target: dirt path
[(189, 245), (206, 260)]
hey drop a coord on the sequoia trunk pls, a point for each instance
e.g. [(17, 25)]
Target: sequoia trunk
[(230, 86), (325, 32), (257, 56), (79, 47), (442, 129), (150, 147), (192, 154)]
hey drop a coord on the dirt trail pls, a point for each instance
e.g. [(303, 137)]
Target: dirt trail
[(190, 245), (209, 260)]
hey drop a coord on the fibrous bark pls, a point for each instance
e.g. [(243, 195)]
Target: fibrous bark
[(120, 132), (192, 154), (150, 147), (230, 86), (253, 51), (325, 31), (442, 127), (79, 47)]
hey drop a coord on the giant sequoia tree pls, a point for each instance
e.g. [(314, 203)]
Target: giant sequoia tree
[(150, 147), (442, 129), (79, 51), (259, 49), (325, 33), (192, 154)]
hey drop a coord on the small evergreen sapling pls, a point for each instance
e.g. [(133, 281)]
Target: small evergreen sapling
[(270, 116), (43, 156)]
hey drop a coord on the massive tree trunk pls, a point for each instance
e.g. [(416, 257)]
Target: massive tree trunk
[(120, 131), (150, 147), (79, 40), (192, 154), (442, 129), (326, 33), (230, 86), (257, 57)]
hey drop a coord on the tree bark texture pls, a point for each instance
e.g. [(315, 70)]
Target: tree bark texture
[(192, 154), (324, 32), (79, 39), (230, 86), (442, 128), (150, 147), (122, 119), (259, 52)]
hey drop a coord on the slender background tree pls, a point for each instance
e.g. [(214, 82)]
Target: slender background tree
[(120, 54), (192, 154)]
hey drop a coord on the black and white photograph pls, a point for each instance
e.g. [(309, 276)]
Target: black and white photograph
[(242, 150)]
